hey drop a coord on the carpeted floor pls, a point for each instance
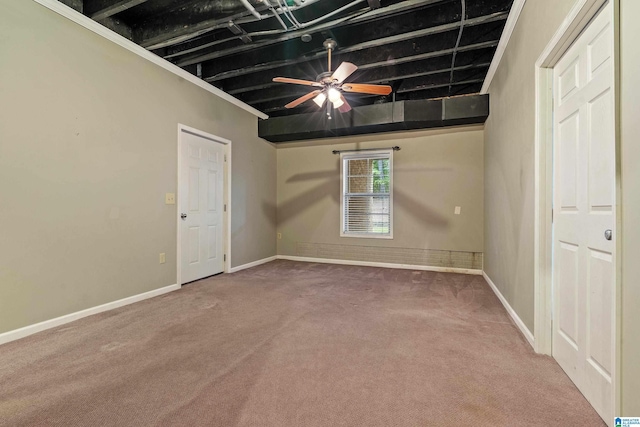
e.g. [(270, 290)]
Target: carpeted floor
[(293, 344)]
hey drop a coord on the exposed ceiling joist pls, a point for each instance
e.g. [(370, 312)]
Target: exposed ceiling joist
[(101, 9), (361, 66), (427, 82), (118, 26), (164, 34), (167, 30), (275, 108), (405, 59), (177, 33), (387, 75), (423, 49), (374, 4), (73, 4), (192, 59), (218, 67)]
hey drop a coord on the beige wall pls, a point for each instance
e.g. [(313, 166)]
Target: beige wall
[(630, 155), (85, 127), (433, 172), (509, 174), (509, 157)]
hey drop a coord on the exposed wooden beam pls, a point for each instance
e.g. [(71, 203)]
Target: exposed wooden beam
[(365, 66), (433, 92), (167, 30), (166, 34), (434, 86), (73, 4), (417, 82), (379, 79), (118, 26), (186, 32), (101, 9), (411, 35), (188, 47), (374, 4)]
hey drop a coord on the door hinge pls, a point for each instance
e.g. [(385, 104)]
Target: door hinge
[(552, 216), (224, 258), (225, 207), (225, 157)]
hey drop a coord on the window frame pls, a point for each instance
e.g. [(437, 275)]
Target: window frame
[(355, 155)]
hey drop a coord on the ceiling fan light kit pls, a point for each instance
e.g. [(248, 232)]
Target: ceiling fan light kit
[(333, 94), (320, 99), (337, 103), (331, 85)]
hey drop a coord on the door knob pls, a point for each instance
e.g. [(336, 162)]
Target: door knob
[(608, 235), (183, 216)]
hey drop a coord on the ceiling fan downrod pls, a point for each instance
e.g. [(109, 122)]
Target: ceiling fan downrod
[(330, 45)]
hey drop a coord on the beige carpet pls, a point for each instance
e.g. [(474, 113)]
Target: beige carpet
[(293, 344)]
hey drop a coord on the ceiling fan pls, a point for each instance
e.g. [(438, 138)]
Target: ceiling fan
[(331, 85)]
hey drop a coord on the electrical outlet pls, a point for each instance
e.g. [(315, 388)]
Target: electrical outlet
[(163, 258), (457, 210), (170, 198), (279, 236)]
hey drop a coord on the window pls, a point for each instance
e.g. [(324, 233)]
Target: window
[(366, 202)]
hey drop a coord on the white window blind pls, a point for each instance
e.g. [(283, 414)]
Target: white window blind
[(367, 194)]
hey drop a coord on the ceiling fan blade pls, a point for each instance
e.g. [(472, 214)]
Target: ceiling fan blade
[(345, 107), (364, 88), (302, 99), (296, 81), (343, 71)]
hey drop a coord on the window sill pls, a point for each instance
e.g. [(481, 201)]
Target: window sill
[(368, 236)]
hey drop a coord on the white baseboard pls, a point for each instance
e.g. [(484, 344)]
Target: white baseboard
[(253, 264), (514, 316), (382, 264), (52, 323)]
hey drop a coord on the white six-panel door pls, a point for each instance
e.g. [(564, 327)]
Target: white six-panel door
[(201, 208), (584, 209)]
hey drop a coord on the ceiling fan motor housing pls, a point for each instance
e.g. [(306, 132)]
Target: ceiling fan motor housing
[(325, 77)]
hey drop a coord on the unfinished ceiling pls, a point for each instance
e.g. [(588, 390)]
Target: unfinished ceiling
[(423, 49)]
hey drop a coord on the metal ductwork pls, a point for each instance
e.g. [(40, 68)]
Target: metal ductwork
[(376, 118)]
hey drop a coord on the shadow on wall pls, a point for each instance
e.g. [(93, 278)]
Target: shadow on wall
[(331, 188)]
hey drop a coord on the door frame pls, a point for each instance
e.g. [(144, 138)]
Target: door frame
[(182, 129), (573, 25)]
